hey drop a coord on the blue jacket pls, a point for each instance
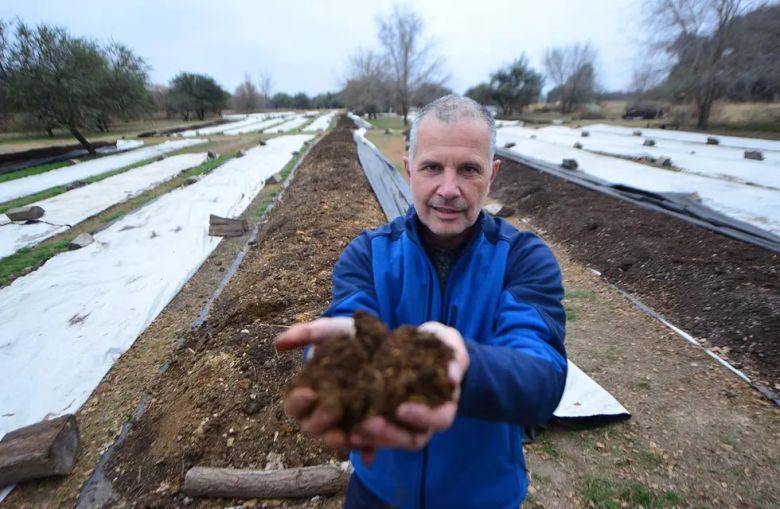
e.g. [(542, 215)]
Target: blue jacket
[(504, 296)]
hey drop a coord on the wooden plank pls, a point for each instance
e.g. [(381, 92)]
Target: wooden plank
[(285, 483), (40, 450)]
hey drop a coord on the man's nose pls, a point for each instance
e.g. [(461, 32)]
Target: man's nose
[(449, 187)]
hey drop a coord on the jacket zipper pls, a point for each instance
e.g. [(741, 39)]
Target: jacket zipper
[(447, 319)]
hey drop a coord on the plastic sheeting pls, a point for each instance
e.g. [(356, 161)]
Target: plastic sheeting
[(67, 209), (359, 121), (587, 403), (237, 122), (61, 176), (754, 205), (254, 127), (713, 161), (584, 402), (390, 188), (322, 122), (97, 300), (293, 123), (699, 138)]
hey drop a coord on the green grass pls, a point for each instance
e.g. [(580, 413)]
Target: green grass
[(602, 493), (12, 266), (265, 202), (33, 170), (54, 191), (24, 259), (548, 446), (571, 313), (389, 122), (649, 460)]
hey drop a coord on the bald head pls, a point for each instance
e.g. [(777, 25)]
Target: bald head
[(450, 109)]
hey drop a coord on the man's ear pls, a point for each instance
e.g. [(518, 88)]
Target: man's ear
[(494, 169), (407, 168)]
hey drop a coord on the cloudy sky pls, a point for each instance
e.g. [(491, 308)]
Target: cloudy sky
[(304, 45)]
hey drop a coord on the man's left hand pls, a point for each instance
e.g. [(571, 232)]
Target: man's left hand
[(424, 421)]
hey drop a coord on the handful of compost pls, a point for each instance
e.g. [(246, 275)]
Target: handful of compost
[(376, 370)]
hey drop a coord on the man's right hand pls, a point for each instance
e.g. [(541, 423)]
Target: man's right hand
[(301, 403)]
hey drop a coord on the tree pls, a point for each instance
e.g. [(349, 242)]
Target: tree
[(698, 34), (68, 82), (301, 101), (197, 94), (368, 86), (571, 69), (428, 92), (482, 93), (246, 98), (282, 101), (327, 100), (752, 58), (515, 86), (410, 58)]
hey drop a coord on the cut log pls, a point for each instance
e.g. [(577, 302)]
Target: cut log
[(273, 179), (44, 449), (82, 240), (711, 140), (191, 180), (226, 227), (585, 134), (285, 483), (637, 133), (241, 153), (569, 164), (509, 144), (26, 213), (75, 185), (755, 155), (649, 142), (577, 144)]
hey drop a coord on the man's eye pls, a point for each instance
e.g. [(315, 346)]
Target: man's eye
[(471, 169)]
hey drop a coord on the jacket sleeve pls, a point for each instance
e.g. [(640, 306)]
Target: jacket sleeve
[(518, 375), (353, 280)]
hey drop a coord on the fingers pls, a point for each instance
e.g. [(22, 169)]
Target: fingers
[(425, 417), (452, 338), (300, 402), (318, 422), (317, 331), (379, 433)]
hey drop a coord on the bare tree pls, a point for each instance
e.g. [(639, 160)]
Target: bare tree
[(265, 86), (571, 69), (698, 34), (409, 55), (246, 98), (367, 86), (645, 78)]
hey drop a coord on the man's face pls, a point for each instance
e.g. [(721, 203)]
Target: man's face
[(450, 176)]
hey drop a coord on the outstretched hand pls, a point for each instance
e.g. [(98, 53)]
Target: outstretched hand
[(376, 432)]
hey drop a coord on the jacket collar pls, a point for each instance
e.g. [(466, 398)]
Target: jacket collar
[(483, 224)]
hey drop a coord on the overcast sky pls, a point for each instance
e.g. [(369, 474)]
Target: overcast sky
[(304, 45)]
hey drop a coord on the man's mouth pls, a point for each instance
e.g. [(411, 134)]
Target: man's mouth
[(447, 211)]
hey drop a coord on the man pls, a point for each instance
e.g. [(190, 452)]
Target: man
[(489, 291)]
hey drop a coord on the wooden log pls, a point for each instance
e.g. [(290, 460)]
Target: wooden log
[(285, 483), (40, 450), (226, 227), (26, 213)]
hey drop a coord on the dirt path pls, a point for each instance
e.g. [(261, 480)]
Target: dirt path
[(219, 402)]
